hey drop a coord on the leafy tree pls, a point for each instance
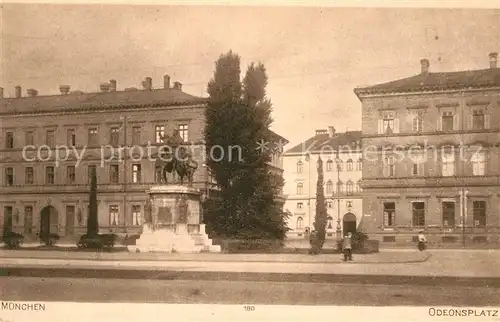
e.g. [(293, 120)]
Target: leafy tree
[(320, 220), (92, 220), (237, 118)]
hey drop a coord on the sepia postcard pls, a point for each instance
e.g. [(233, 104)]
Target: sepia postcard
[(226, 161)]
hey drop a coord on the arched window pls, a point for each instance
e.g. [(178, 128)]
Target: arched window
[(350, 187), (329, 165), (329, 223), (358, 187), (300, 167), (300, 223), (349, 165), (359, 165), (300, 188), (329, 187)]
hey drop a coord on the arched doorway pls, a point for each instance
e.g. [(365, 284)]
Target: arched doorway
[(49, 220), (349, 223)]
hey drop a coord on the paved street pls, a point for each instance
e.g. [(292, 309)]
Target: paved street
[(240, 292)]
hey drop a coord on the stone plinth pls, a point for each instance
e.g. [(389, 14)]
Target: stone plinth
[(173, 222)]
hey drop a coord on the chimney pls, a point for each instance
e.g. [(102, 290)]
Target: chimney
[(493, 60), (424, 65), (32, 92), (147, 84), (1, 93), (64, 89), (166, 82), (112, 85), (178, 86), (104, 87), (331, 131), (18, 91), (321, 132)]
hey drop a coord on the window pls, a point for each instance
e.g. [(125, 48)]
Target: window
[(136, 135), (329, 223), (29, 138), (418, 213), (29, 175), (114, 136), (91, 169), (448, 163), (9, 176), (350, 187), (418, 121), (358, 187), (329, 187), (159, 134), (70, 213), (7, 212), (136, 173), (359, 165), (348, 203), (349, 165), (300, 167), (478, 164), (340, 187), (71, 137), (329, 165), (113, 215), (28, 219), (389, 167), (418, 163), (479, 213), (70, 174), (447, 121), (50, 175), (300, 205), (183, 132), (50, 138), (136, 215), (300, 223), (448, 213), (388, 124), (9, 140), (92, 139), (478, 120), (389, 214), (158, 174), (300, 188), (113, 173)]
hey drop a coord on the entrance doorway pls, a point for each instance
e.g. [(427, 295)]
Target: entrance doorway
[(349, 223), (48, 221)]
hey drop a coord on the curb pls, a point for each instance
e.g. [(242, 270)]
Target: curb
[(222, 261), (490, 282)]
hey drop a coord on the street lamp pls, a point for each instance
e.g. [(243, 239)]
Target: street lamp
[(339, 230)]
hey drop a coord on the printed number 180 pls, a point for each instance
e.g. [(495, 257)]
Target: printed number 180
[(249, 308)]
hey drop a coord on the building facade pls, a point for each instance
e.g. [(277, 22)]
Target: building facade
[(431, 157), (341, 156)]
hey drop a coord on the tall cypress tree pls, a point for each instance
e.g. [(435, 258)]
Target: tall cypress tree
[(320, 219), (92, 219), (238, 117)]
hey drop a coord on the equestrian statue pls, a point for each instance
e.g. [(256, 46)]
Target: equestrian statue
[(179, 163)]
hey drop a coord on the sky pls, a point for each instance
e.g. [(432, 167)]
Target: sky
[(314, 56)]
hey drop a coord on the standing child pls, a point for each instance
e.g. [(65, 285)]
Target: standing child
[(347, 247)]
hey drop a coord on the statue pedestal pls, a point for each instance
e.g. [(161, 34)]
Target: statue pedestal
[(174, 225)]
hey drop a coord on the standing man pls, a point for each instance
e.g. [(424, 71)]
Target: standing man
[(347, 247)]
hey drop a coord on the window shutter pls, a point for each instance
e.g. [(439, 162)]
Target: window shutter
[(380, 127), (455, 122), (396, 125), (486, 121)]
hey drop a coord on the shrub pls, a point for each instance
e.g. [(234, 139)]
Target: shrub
[(13, 240), (252, 245), (97, 242)]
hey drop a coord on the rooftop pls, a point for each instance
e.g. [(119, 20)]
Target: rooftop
[(325, 141)]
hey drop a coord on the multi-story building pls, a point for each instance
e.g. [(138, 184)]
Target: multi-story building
[(50, 144), (341, 156), (431, 156)]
